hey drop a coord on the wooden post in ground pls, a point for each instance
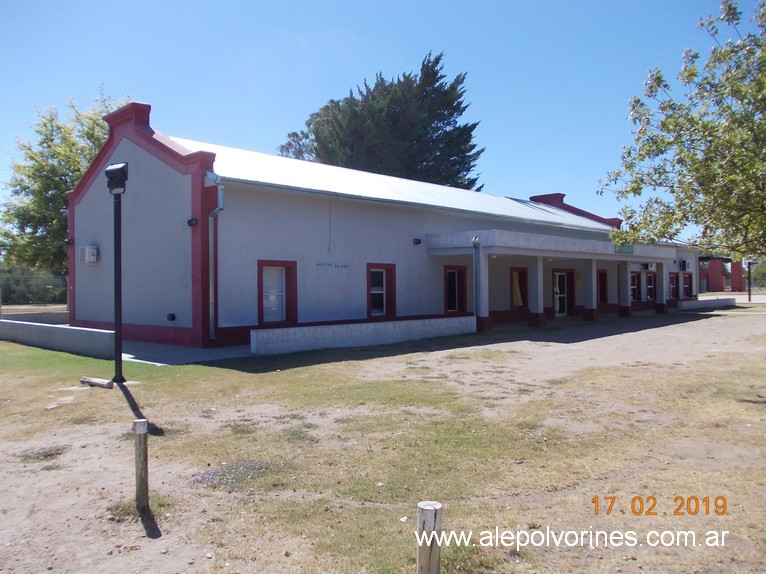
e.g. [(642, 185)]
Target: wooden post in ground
[(93, 382), (429, 520), (140, 428)]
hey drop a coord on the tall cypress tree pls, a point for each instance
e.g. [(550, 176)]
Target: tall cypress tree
[(408, 127)]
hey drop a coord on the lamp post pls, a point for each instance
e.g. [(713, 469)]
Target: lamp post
[(750, 263), (117, 175)]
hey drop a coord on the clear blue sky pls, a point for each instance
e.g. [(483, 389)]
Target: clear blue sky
[(549, 81)]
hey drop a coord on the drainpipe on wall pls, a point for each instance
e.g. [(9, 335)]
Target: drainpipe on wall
[(210, 180)]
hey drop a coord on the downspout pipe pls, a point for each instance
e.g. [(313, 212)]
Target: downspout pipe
[(476, 243), (212, 179)]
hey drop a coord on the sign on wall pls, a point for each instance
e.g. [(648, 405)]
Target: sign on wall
[(624, 249)]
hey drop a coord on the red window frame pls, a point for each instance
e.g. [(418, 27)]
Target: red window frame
[(291, 291), (653, 287), (602, 287), (523, 286), (635, 277), (389, 270), (462, 286), (673, 282), (687, 286)]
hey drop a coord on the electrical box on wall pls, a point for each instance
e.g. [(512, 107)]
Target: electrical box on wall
[(686, 265), (89, 254), (650, 266)]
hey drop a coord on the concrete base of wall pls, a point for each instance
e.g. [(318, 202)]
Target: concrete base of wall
[(47, 317), (718, 303), (293, 339), (77, 340)]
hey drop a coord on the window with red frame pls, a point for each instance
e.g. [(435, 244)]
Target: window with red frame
[(635, 286), (673, 282), (651, 286), (455, 297), (381, 290), (278, 291)]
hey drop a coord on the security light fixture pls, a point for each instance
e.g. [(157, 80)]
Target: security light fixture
[(116, 175), (475, 241)]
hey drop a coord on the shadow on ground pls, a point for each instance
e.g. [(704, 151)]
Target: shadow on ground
[(151, 528), (152, 428), (563, 331)]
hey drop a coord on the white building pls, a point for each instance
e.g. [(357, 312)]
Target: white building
[(226, 246)]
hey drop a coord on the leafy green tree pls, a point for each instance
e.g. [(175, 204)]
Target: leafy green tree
[(35, 220), (758, 274), (19, 286), (408, 127), (698, 159)]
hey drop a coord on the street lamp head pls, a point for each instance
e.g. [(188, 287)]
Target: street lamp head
[(116, 175)]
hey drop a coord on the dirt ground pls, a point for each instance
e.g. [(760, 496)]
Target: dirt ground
[(56, 519)]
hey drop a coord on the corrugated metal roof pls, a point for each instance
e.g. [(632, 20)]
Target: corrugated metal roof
[(259, 168)]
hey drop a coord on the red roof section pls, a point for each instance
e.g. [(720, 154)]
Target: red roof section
[(557, 200)]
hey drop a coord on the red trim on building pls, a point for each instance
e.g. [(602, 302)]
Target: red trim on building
[(520, 313), (71, 261), (557, 200), (536, 319), (131, 122), (204, 200), (483, 324), (602, 289), (737, 276), (715, 277), (514, 313), (149, 333)]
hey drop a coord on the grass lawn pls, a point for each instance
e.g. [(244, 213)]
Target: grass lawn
[(315, 463)]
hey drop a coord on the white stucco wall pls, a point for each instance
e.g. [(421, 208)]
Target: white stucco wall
[(156, 244), (333, 241)]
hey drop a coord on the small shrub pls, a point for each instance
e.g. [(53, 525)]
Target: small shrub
[(44, 454)]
